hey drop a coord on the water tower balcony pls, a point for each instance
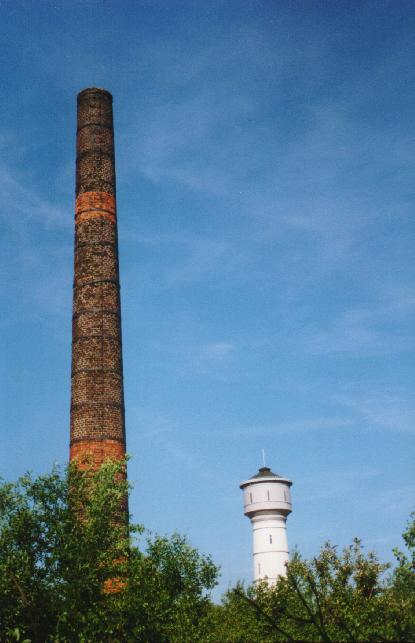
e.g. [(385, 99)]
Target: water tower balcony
[(268, 507)]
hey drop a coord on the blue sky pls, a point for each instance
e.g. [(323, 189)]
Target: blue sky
[(265, 155)]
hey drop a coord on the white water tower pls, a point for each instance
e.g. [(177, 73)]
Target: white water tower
[(267, 503)]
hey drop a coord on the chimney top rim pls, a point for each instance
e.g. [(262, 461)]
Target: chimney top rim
[(94, 90)]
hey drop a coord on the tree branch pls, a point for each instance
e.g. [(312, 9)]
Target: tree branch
[(309, 611), (24, 600), (268, 618), (318, 604)]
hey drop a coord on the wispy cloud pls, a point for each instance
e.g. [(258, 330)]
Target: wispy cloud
[(333, 484), (219, 350), (388, 411), (163, 435), (146, 424), (22, 205), (36, 256), (213, 359), (395, 499), (310, 425), (359, 333)]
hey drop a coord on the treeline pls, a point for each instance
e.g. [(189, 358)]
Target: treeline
[(71, 570)]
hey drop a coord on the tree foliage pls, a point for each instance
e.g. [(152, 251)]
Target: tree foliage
[(346, 596), (72, 570), (64, 542)]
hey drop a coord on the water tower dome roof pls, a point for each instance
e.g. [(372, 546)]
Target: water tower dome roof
[(265, 472)]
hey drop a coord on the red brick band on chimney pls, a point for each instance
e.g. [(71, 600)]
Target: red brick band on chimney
[(90, 205), (96, 452), (97, 393)]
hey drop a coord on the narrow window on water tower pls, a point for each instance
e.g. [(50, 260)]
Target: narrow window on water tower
[(268, 495), (270, 539), (250, 497)]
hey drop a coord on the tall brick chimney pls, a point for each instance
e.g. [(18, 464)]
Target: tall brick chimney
[(97, 399)]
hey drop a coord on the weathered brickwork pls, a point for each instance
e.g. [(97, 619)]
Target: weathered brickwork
[(103, 295), (87, 322), (98, 451), (97, 400), (95, 206)]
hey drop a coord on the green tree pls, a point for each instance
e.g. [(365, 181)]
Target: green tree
[(344, 596), (64, 542), (64, 538), (401, 594)]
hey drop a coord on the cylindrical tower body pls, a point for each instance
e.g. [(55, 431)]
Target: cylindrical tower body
[(97, 395), (267, 503)]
